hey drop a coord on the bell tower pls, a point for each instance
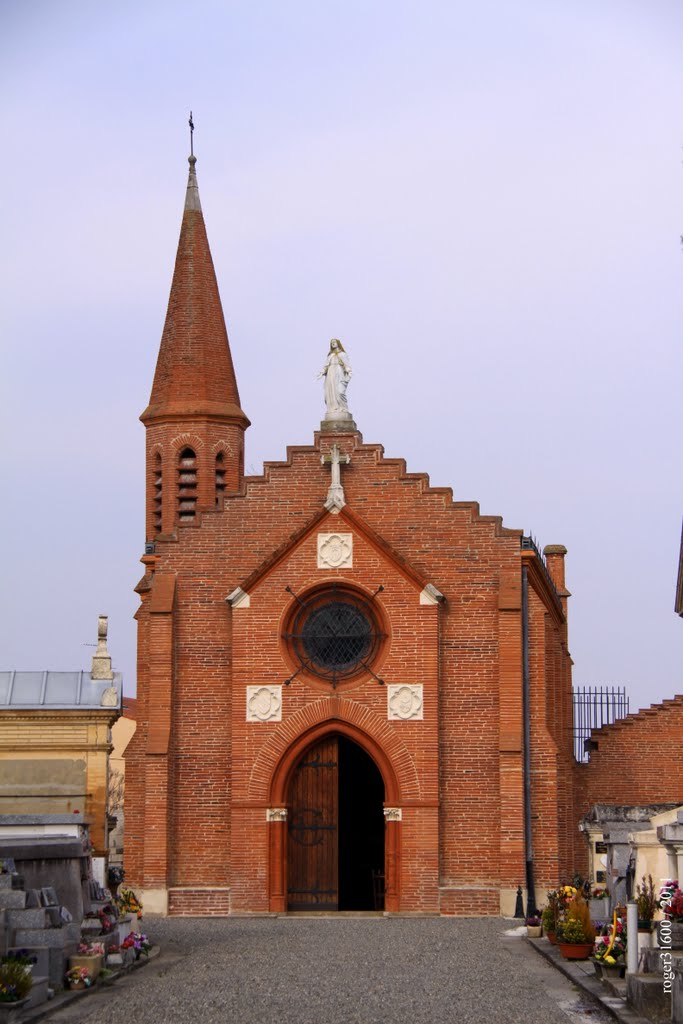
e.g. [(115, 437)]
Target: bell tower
[(195, 425)]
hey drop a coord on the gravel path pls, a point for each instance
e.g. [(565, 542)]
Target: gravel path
[(337, 971)]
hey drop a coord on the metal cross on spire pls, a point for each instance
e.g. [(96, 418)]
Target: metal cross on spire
[(191, 124)]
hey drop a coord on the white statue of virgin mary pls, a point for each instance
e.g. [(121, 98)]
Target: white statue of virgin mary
[(337, 374)]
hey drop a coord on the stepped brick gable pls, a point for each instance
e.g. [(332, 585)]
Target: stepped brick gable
[(636, 760), (337, 704)]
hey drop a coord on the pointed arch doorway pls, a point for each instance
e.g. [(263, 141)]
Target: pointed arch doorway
[(336, 830)]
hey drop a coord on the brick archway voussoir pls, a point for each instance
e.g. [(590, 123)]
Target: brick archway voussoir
[(329, 711)]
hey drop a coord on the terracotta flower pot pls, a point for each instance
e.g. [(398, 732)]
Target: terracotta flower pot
[(575, 950), (550, 936)]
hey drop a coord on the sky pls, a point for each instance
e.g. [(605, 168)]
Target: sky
[(483, 201)]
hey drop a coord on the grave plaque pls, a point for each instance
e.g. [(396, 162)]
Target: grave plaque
[(49, 897)]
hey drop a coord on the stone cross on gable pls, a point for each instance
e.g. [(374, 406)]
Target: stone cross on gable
[(335, 494)]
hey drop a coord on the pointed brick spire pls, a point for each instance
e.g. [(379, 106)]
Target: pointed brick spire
[(194, 375)]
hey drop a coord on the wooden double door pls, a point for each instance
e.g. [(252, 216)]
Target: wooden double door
[(335, 842)]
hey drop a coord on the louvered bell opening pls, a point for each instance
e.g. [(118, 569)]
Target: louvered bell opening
[(187, 484), (220, 479), (156, 503)]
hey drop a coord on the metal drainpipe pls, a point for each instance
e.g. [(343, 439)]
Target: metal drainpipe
[(528, 844)]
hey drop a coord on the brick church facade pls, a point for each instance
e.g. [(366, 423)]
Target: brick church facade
[(354, 692)]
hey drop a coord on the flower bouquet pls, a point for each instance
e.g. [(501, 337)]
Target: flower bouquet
[(128, 903), (670, 901), (609, 952), (78, 978), (139, 943)]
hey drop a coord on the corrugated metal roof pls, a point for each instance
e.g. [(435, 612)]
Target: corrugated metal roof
[(46, 690)]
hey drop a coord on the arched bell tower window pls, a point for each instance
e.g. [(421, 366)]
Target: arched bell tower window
[(187, 484), (158, 485), (220, 479)]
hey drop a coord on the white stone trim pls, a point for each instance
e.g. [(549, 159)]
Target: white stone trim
[(264, 703), (239, 599), (430, 595), (335, 550), (405, 702), (276, 814), (393, 814)]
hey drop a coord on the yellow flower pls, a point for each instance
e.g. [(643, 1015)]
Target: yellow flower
[(609, 960)]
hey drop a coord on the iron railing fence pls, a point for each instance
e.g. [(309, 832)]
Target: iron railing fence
[(593, 707), (530, 543)]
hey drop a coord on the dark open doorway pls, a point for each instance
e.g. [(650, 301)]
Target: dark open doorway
[(336, 830), (361, 829)]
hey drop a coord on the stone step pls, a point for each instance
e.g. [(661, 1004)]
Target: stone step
[(52, 937), (12, 899), (646, 994), (35, 917), (38, 993)]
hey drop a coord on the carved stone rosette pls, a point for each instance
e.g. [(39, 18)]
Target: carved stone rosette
[(404, 702), (335, 550), (264, 703)]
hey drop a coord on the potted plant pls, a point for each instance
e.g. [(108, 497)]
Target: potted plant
[(577, 935), (78, 978), (670, 930), (548, 922), (646, 901), (534, 927), (609, 953), (557, 905), (15, 982)]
